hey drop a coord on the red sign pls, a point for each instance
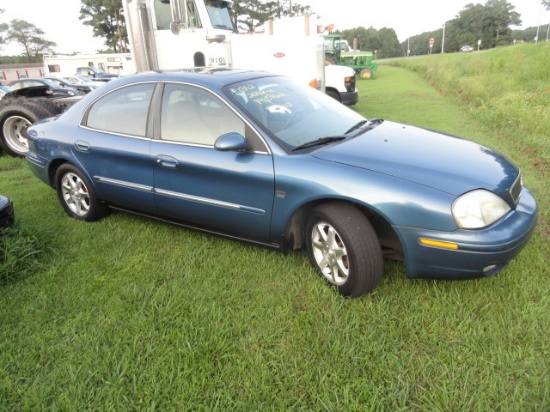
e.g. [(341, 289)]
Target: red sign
[(431, 41)]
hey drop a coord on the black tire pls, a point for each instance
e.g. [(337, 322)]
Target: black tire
[(344, 249), (76, 195), (334, 95), (366, 74), (16, 115)]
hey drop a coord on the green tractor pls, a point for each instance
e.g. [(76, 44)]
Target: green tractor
[(337, 51)]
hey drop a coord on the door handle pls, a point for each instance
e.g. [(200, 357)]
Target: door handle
[(82, 146), (167, 161)]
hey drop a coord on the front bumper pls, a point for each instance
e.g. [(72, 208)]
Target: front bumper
[(480, 252), (349, 98)]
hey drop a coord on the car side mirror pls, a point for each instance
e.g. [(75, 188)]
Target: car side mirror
[(230, 142)]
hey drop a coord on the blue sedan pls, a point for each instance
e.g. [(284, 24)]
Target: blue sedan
[(260, 158)]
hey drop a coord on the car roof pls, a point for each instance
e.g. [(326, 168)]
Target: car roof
[(216, 78)]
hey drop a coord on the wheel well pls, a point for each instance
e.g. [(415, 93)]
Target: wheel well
[(332, 92), (295, 236), (53, 170)]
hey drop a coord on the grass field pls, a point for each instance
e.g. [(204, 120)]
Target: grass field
[(132, 314)]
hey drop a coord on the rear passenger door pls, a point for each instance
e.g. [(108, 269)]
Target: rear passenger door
[(114, 147)]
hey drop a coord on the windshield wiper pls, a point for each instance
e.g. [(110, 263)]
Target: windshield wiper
[(357, 126), (371, 124), (319, 142)]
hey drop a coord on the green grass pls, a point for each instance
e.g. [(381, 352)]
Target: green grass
[(131, 314)]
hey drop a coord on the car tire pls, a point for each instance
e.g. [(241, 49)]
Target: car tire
[(16, 115), (76, 195), (344, 249)]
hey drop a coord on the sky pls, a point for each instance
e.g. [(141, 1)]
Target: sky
[(60, 23)]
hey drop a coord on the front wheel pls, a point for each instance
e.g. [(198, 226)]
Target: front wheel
[(344, 249), (76, 195)]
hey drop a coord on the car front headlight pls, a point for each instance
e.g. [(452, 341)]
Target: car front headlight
[(478, 209)]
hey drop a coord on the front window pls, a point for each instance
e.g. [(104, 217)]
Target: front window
[(163, 14), (193, 115), (293, 113), (218, 11)]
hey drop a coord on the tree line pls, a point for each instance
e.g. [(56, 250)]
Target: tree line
[(487, 25)]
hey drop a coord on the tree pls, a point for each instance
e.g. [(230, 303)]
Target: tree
[(388, 45), (291, 9), (250, 14), (489, 23), (384, 41), (106, 21), (546, 4), (501, 16), (3, 28), (30, 38), (247, 15)]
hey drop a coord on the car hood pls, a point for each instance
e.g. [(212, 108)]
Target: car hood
[(429, 158)]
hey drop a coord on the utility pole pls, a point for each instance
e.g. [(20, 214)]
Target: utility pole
[(443, 40)]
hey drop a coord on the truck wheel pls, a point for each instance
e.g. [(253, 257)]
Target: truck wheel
[(16, 115), (366, 74), (343, 248)]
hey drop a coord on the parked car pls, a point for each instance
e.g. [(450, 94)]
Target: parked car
[(96, 74), (7, 215), (466, 48), (258, 157), (79, 79), (41, 82), (83, 88)]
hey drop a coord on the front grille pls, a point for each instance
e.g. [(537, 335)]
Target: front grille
[(515, 190)]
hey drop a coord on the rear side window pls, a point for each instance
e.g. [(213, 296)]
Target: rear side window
[(123, 111)]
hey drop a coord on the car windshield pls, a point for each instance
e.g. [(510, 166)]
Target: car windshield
[(58, 82), (81, 79), (296, 115), (50, 83)]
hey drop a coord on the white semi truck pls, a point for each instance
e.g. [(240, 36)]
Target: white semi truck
[(195, 34), (173, 34)]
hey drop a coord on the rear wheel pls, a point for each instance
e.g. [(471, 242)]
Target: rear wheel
[(366, 74), (76, 195), (329, 60), (16, 116), (344, 249)]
